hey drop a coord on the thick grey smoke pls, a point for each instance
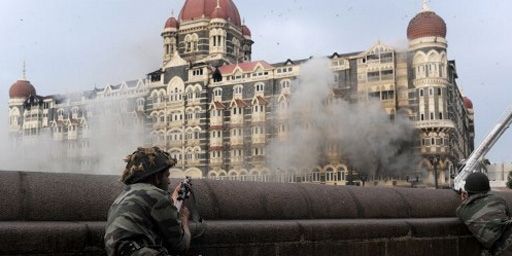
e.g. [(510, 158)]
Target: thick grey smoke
[(111, 134), (367, 139)]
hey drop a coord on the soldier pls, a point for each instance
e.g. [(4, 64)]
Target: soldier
[(486, 215), (143, 219)]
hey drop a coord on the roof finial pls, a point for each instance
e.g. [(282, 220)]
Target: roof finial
[(24, 72), (172, 12), (218, 4), (425, 7), (243, 21)]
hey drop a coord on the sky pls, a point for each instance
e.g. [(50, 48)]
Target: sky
[(71, 46)]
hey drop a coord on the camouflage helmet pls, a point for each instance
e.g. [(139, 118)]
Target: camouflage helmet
[(477, 182), (145, 162)]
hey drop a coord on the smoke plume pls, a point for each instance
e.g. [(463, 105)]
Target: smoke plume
[(111, 133), (367, 139)]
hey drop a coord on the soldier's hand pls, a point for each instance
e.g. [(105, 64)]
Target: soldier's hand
[(174, 195), (184, 214), (464, 196)]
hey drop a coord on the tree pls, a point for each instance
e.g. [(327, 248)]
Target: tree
[(509, 180)]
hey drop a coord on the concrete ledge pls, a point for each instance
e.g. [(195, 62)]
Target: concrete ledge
[(64, 214), (298, 237), (337, 237)]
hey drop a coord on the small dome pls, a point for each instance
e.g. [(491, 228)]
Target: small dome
[(21, 89), (246, 31), (426, 24), (172, 23), (468, 103)]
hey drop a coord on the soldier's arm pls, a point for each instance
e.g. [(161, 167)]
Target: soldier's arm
[(168, 221)]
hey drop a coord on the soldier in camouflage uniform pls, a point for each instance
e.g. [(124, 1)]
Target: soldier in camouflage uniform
[(486, 215), (143, 219)]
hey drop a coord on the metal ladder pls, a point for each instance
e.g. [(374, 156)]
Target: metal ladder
[(473, 161)]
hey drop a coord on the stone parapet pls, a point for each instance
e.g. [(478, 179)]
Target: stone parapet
[(64, 214)]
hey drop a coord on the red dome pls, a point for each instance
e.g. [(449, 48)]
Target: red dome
[(219, 13), (426, 24), (171, 23), (198, 9), (246, 31), (468, 103), (21, 89)]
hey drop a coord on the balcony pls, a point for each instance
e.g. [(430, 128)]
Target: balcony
[(216, 142), (216, 162), (193, 142), (237, 140), (258, 139), (193, 162), (237, 160), (237, 120), (216, 121), (193, 122), (72, 135), (258, 118), (176, 124), (434, 124), (157, 126), (175, 143)]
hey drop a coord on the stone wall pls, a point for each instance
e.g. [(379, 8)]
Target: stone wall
[(64, 214)]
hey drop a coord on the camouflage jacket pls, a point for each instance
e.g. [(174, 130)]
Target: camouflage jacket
[(144, 213), (486, 216)]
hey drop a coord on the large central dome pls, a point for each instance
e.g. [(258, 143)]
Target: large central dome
[(199, 9)]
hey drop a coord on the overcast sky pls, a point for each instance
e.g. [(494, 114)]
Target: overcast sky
[(71, 45)]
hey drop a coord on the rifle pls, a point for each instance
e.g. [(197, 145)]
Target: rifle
[(473, 163)]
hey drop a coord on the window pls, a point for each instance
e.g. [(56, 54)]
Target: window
[(388, 95), (373, 76), (387, 74), (421, 93), (422, 117), (375, 95), (237, 90), (285, 84), (431, 116), (197, 72), (386, 57), (440, 115), (217, 92), (237, 111), (439, 91), (260, 87)]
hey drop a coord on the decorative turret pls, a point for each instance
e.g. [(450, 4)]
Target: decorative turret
[(207, 31), (247, 44), (217, 29), (170, 37)]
